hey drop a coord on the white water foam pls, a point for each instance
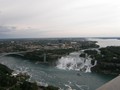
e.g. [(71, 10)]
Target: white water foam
[(74, 62), (82, 86)]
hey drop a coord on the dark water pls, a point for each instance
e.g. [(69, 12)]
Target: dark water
[(51, 75)]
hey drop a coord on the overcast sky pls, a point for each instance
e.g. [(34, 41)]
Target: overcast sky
[(59, 18)]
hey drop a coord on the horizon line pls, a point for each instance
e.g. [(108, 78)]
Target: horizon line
[(58, 37)]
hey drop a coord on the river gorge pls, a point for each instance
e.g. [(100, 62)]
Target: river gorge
[(71, 72)]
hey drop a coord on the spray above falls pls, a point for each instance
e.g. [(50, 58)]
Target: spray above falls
[(74, 62)]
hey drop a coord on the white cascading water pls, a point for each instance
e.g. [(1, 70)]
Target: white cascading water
[(74, 62)]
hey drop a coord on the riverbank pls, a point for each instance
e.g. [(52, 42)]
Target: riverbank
[(18, 82)]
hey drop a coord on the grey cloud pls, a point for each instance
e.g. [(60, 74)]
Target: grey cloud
[(4, 29)]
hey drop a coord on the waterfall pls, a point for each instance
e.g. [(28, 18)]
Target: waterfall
[(74, 62)]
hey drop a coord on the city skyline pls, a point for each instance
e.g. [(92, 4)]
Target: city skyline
[(59, 18)]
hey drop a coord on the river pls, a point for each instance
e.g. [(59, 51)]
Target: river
[(58, 77), (106, 42)]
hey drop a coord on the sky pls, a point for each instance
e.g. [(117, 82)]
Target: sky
[(59, 18)]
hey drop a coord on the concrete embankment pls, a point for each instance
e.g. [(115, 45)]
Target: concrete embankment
[(112, 85)]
